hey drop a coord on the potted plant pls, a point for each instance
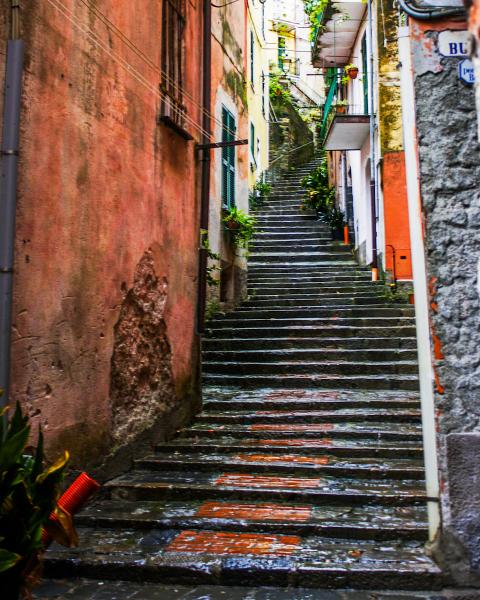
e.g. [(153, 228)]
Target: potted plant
[(352, 71), (341, 107), (258, 194), (336, 220), (29, 514), (241, 225)]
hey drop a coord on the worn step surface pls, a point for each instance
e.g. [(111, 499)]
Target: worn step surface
[(305, 468)]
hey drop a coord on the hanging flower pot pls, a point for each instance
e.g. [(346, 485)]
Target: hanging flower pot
[(351, 71), (232, 225)]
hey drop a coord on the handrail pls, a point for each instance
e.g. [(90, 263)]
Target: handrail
[(290, 151), (327, 107)]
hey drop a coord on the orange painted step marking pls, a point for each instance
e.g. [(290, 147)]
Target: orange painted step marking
[(296, 443), (212, 542), (293, 427), (267, 481), (269, 458), (254, 512)]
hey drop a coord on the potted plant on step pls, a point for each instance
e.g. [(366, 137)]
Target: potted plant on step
[(259, 193), (352, 71), (240, 225), (336, 220)]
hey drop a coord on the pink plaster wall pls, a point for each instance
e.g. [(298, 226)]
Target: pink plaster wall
[(100, 183)]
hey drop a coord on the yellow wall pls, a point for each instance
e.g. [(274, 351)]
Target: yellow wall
[(257, 93)]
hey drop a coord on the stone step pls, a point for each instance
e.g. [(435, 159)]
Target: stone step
[(299, 256), (321, 432), (298, 465), (294, 246), (236, 343), (377, 310), (312, 369), (328, 324), (225, 484), (285, 400), (288, 235), (312, 331), (236, 558), (278, 446), (359, 522), (326, 279), (327, 381), (318, 301), (312, 415), (310, 355)]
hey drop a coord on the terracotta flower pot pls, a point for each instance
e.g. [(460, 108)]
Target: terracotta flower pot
[(353, 73), (232, 225), (341, 110)]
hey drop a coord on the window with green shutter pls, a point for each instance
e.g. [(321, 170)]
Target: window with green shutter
[(228, 159)]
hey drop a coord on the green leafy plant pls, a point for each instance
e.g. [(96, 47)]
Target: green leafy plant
[(320, 194), (29, 491), (212, 256), (279, 92), (259, 192), (241, 225), (212, 309)]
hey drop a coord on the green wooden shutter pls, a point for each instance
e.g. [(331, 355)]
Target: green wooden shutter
[(228, 159)]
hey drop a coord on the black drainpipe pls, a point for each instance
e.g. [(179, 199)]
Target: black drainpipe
[(8, 192), (205, 190)]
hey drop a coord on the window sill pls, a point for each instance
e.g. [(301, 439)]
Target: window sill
[(178, 129)]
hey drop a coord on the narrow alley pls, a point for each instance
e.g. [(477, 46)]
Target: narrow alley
[(240, 300), (300, 487)]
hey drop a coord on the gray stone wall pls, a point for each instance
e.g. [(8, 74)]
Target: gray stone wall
[(450, 186)]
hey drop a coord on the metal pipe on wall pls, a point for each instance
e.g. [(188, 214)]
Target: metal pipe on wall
[(422, 319), (205, 159), (8, 194), (373, 186)]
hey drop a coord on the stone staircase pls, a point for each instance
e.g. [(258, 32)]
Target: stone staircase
[(305, 467)]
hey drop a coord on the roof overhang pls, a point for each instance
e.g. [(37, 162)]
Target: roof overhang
[(347, 132), (338, 31)]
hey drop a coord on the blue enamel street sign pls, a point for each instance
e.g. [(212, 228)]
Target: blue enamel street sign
[(466, 71)]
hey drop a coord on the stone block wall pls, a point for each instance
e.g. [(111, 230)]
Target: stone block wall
[(450, 188)]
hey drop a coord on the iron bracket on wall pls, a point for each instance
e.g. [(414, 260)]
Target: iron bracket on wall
[(221, 145)]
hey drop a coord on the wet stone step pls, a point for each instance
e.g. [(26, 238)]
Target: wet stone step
[(343, 398), (291, 464), (229, 557), (318, 301), (340, 414), (302, 367), (316, 331), (333, 312), (362, 448), (266, 343), (310, 355), (378, 431), (328, 381), (326, 324), (263, 485), (358, 522)]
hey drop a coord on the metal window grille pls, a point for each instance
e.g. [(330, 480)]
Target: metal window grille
[(173, 29)]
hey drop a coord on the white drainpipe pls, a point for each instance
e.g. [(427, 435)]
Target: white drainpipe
[(420, 282)]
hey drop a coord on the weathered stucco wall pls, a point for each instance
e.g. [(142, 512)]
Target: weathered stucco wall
[(229, 40), (107, 230), (450, 187)]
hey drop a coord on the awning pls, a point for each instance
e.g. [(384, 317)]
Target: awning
[(347, 132), (337, 34)]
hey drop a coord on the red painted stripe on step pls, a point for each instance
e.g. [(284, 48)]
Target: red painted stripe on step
[(316, 428), (212, 542), (267, 481), (254, 512), (288, 458), (296, 443)]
